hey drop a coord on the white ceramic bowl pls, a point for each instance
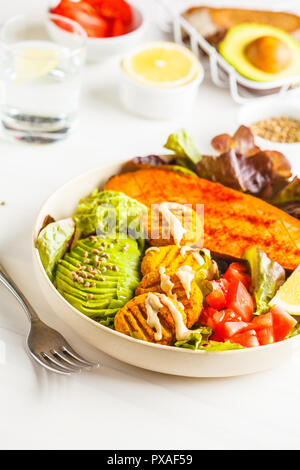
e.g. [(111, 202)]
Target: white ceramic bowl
[(99, 49), (62, 203), (265, 109)]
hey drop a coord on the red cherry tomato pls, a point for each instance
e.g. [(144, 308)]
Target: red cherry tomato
[(83, 13), (118, 28), (113, 9), (238, 271), (239, 300)]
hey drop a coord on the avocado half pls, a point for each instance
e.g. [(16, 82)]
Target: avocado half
[(233, 47)]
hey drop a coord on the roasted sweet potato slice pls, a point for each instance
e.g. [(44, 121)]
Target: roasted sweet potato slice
[(233, 221)]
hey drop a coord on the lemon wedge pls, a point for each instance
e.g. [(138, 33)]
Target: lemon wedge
[(288, 295), (35, 63), (162, 64)]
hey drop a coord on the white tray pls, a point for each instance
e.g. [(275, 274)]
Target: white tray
[(222, 73)]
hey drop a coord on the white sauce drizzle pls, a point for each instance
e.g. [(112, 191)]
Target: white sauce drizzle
[(153, 303), (186, 274), (152, 248), (198, 258), (175, 226), (153, 306), (166, 284), (184, 249), (181, 331)]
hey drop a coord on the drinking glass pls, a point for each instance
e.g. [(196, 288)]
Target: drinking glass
[(41, 60)]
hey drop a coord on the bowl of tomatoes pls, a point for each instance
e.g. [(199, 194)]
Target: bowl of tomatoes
[(112, 26)]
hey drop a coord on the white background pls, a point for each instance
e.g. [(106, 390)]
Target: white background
[(118, 406)]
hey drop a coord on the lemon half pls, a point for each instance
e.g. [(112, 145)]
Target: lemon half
[(162, 64), (288, 295)]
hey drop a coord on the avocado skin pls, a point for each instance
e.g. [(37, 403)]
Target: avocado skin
[(233, 46), (110, 294)]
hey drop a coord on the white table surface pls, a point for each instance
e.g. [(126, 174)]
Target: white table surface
[(118, 406)]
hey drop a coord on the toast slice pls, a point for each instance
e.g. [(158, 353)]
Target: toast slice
[(213, 23)]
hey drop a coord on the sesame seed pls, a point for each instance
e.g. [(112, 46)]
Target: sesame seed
[(103, 269), (89, 296), (90, 269), (111, 245), (86, 284), (86, 261), (96, 258), (101, 248), (97, 264), (59, 261), (115, 267), (101, 278), (86, 254), (93, 284)]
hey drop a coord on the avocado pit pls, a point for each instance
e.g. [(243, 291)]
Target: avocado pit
[(269, 54)]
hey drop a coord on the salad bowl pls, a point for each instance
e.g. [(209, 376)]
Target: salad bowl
[(165, 359)]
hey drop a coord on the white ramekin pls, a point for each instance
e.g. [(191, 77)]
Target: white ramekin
[(158, 103), (269, 108)]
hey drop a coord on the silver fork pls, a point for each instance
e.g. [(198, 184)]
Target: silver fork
[(48, 347)]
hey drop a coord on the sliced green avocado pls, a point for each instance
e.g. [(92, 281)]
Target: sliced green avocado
[(111, 212), (52, 243), (99, 284), (233, 49)]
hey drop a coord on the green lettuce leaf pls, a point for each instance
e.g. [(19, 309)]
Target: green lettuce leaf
[(198, 341), (266, 277), (206, 272), (295, 331), (218, 346), (52, 243), (290, 193), (195, 339), (111, 213), (182, 143)]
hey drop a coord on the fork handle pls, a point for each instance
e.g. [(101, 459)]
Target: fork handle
[(7, 281)]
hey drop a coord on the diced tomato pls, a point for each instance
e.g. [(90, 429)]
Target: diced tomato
[(265, 336), (239, 300), (205, 315), (283, 323), (217, 298), (248, 339), (113, 9), (118, 28), (84, 13), (238, 271), (229, 328), (262, 321)]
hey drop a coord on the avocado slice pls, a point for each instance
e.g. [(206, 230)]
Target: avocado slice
[(111, 212), (244, 41), (53, 241), (99, 284)]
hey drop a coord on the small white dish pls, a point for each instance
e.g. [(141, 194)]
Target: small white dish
[(151, 100), (268, 108), (170, 360), (99, 49), (158, 103)]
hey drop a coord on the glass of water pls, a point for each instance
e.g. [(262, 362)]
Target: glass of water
[(41, 60)]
